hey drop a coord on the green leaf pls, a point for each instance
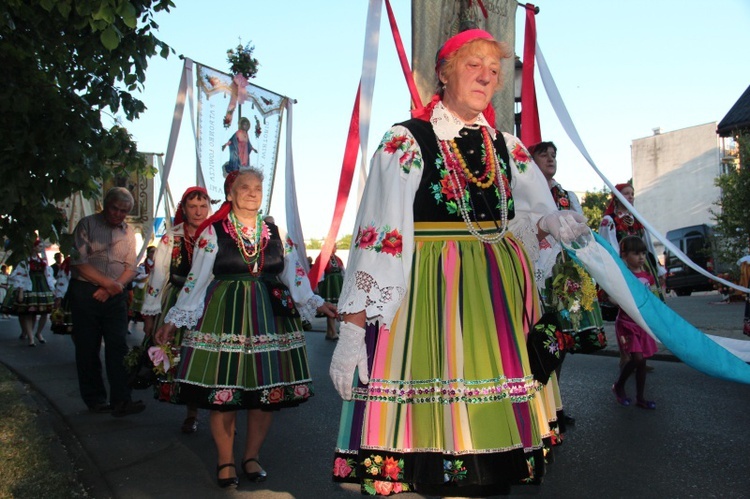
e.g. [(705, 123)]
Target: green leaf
[(128, 14), (109, 39), (64, 9), (47, 5)]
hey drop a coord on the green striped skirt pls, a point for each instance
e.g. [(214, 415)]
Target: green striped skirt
[(247, 350)]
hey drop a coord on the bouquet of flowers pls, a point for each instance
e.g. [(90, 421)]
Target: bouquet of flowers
[(140, 370), (573, 291), (241, 61), (165, 359)]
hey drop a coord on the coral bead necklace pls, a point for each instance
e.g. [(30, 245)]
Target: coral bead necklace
[(456, 165), (250, 242)]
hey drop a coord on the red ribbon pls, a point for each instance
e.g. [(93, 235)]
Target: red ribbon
[(530, 131), (345, 185), (416, 100)]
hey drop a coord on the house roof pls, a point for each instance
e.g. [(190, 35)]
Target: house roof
[(737, 117)]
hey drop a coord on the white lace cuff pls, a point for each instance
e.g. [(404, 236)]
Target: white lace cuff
[(363, 293), (308, 309), (155, 310), (526, 232), (183, 318)]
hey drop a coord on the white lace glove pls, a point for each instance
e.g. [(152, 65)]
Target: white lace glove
[(565, 226), (350, 353)]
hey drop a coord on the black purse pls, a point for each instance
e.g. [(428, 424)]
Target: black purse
[(545, 345)]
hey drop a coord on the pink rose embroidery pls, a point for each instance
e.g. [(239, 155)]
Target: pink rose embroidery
[(383, 488), (367, 237), (223, 396), (341, 468), (301, 391), (276, 395)]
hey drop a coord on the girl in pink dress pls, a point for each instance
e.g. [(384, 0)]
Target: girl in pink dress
[(632, 339)]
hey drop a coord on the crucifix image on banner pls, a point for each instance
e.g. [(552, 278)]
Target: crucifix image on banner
[(235, 139)]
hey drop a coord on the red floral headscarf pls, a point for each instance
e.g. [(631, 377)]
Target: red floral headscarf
[(449, 48), (611, 206), (179, 217)]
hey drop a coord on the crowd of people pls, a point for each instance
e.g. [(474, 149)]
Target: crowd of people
[(456, 256)]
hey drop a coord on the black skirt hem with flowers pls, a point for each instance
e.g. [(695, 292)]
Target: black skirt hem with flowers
[(472, 475)]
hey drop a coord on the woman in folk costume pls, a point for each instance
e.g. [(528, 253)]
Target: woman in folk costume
[(174, 255), (618, 222), (329, 288), (440, 294), (582, 320), (244, 348), (30, 293)]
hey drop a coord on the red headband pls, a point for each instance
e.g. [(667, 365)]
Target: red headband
[(449, 47), (179, 217), (456, 42)]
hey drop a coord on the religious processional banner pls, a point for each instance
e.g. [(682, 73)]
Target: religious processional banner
[(249, 135)]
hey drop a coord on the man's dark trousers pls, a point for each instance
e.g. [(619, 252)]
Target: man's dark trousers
[(92, 322)]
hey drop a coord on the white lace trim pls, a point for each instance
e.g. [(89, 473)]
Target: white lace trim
[(526, 232), (308, 309), (364, 293), (447, 126), (183, 318), (156, 310)]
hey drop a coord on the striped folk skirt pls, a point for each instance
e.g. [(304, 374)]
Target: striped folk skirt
[(40, 300), (451, 407), (247, 350)]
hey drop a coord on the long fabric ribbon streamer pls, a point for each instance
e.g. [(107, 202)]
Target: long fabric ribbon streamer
[(684, 340), (345, 185), (362, 104), (293, 223), (567, 123)]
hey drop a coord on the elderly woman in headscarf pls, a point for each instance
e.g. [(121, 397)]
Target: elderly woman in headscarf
[(440, 295), (244, 348), (174, 255)]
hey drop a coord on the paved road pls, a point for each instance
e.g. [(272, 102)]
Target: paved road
[(693, 445)]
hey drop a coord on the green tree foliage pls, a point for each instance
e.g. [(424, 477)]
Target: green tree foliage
[(594, 203), (733, 214), (65, 63), (345, 242), (314, 244)]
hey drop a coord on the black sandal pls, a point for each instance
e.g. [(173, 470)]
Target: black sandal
[(226, 482), (256, 476)]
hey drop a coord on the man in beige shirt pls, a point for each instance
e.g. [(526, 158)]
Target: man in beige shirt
[(102, 266)]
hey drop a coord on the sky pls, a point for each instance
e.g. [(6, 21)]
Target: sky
[(622, 67)]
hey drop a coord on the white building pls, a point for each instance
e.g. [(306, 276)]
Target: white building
[(673, 177)]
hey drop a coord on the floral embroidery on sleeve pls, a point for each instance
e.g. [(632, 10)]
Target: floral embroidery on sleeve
[(299, 274), (288, 245), (382, 240), (204, 245), (394, 142), (521, 156)]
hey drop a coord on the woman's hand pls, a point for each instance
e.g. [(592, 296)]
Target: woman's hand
[(328, 309), (165, 334)]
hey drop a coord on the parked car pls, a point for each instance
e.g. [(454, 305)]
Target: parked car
[(697, 242)]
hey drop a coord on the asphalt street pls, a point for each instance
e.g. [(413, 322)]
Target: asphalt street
[(692, 445)]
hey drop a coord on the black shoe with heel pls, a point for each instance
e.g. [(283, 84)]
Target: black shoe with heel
[(226, 482), (256, 476)]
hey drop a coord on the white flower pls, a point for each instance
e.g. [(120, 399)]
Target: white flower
[(575, 307)]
